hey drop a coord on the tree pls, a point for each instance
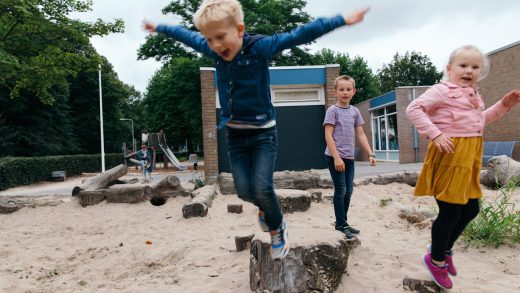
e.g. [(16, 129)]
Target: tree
[(40, 47), (412, 69), (260, 16), (172, 102), (357, 68), (42, 52)]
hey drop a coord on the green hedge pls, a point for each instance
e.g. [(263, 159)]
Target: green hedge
[(25, 170)]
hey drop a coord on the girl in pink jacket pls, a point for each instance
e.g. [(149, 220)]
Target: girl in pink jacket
[(451, 115)]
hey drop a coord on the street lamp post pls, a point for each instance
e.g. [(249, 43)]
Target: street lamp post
[(101, 122), (133, 137)]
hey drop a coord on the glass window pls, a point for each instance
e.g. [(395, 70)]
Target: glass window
[(376, 133), (393, 143)]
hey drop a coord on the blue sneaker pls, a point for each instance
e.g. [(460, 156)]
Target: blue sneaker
[(279, 242), (261, 221)]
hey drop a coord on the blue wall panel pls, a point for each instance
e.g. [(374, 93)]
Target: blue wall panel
[(382, 100), (297, 76)]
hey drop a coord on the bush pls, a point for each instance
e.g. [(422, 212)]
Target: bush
[(497, 223), (29, 170)]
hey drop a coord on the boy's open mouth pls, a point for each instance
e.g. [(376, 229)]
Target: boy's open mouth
[(225, 53)]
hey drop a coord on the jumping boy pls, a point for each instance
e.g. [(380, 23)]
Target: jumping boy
[(242, 70)]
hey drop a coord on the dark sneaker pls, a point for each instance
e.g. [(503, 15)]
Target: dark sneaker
[(352, 229), (279, 242), (438, 274), (347, 232), (449, 260), (261, 222)]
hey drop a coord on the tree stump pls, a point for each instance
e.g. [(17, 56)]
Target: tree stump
[(234, 208), (198, 206), (243, 242), (8, 206), (421, 286), (128, 193), (101, 180), (315, 263), (91, 197), (292, 200)]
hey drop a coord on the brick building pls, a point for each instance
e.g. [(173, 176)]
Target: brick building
[(392, 136), (300, 94)]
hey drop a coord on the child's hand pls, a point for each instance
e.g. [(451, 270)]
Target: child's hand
[(510, 99), (339, 164), (444, 144), (356, 17), (372, 161), (149, 27)]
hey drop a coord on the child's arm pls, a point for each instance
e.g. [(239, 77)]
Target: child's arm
[(189, 38), (361, 138), (417, 114), (500, 108), (339, 165), (308, 32)]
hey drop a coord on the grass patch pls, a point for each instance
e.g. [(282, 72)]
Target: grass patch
[(498, 222)]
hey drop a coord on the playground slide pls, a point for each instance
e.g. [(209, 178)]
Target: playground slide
[(172, 157)]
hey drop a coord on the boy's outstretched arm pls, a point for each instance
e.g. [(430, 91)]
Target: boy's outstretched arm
[(356, 17)]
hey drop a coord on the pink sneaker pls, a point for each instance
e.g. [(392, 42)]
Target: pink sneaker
[(439, 274), (451, 266), (449, 260)]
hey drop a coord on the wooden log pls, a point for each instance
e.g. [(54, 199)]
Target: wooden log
[(421, 286), (102, 180), (198, 206), (91, 197), (169, 186), (8, 206), (243, 242), (128, 193), (234, 208), (501, 170)]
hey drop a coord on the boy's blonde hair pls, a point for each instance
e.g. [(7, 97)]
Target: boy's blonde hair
[(218, 10), (344, 77), (485, 59)]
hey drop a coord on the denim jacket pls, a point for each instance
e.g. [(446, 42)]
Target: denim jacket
[(243, 83)]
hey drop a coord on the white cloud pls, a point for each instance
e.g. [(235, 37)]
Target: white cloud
[(433, 28)]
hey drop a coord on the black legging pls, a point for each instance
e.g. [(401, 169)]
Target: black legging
[(449, 225)]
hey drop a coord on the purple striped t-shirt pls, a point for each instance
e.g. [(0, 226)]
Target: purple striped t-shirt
[(344, 120)]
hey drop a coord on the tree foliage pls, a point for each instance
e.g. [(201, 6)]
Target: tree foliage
[(357, 68), (411, 69), (172, 102), (260, 16), (49, 82)]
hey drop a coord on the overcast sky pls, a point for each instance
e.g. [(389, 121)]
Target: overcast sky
[(433, 28)]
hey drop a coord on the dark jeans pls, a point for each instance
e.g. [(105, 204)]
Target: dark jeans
[(252, 153), (449, 225), (343, 187)]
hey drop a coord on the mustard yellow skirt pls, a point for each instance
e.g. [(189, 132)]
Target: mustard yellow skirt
[(452, 178)]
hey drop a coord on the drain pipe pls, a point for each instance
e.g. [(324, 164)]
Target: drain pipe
[(415, 134)]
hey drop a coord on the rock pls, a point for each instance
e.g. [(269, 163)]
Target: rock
[(316, 196), (421, 286), (314, 264), (500, 170), (293, 200)]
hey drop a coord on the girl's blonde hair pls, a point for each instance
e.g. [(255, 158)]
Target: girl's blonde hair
[(218, 10), (485, 59), (344, 77)]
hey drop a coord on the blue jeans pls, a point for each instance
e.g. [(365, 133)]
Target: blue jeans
[(149, 169), (252, 154), (343, 187)]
